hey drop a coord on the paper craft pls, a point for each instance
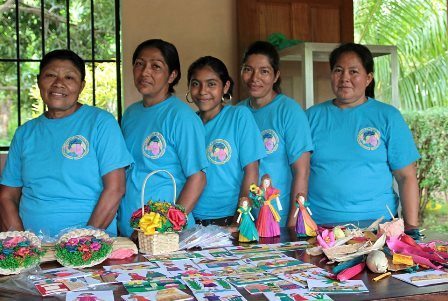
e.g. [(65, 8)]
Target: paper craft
[(245, 279), (289, 246), (218, 263), (138, 286), (219, 253), (424, 278), (231, 295), (90, 296), (60, 273), (131, 266), (239, 250), (194, 273), (57, 286), (293, 269), (297, 294), (101, 277), (273, 286), (335, 287), (174, 256), (208, 284), (161, 295), (240, 270), (254, 258), (176, 266), (268, 265), (301, 277)]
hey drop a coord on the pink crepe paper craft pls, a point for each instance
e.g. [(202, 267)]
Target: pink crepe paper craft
[(351, 272), (121, 253), (326, 239)]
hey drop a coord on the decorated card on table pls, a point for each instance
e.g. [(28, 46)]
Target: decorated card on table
[(301, 277), (132, 266), (208, 284), (167, 294), (235, 271), (218, 263), (424, 278), (335, 287), (59, 286), (19, 250), (289, 246), (297, 294), (230, 295), (246, 279), (60, 273), (138, 286), (90, 296), (273, 286), (174, 256)]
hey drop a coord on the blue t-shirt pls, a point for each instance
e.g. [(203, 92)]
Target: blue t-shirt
[(356, 150), (168, 136), (59, 163), (233, 141), (286, 136)]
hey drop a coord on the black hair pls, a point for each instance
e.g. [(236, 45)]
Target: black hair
[(169, 53), (364, 55), (66, 55), (269, 50), (216, 65)]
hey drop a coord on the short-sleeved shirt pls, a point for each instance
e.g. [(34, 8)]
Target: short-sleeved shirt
[(59, 163), (356, 150), (166, 136), (286, 136), (233, 141)]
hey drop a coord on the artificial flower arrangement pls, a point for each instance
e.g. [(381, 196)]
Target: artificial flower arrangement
[(19, 250), (159, 217), (158, 224), (83, 248)]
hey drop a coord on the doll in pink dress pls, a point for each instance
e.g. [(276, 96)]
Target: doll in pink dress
[(268, 218)]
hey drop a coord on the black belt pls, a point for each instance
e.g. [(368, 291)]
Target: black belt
[(223, 221)]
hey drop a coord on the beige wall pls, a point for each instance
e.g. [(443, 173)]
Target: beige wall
[(196, 28)]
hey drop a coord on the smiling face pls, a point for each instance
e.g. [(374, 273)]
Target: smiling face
[(349, 80), (152, 76), (60, 85), (207, 90), (259, 77)]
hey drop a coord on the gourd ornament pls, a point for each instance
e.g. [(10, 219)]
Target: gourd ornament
[(377, 262)]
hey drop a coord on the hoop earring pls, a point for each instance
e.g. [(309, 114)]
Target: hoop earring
[(186, 97), (226, 98)]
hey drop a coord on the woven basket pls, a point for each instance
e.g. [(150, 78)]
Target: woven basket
[(35, 241), (158, 243)]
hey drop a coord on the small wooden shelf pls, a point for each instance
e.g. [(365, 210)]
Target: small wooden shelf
[(309, 52)]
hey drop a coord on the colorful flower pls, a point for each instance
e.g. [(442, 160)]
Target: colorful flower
[(72, 241), (149, 222), (326, 239), (11, 242), (177, 218), (22, 252), (95, 246)]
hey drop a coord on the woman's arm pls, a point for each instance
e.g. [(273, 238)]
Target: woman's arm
[(301, 172), (192, 190), (409, 195), (114, 184), (9, 208), (250, 177)]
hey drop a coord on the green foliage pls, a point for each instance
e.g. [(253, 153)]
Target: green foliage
[(430, 130), (419, 30)]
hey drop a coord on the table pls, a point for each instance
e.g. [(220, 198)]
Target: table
[(388, 288)]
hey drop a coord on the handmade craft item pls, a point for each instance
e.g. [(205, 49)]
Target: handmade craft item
[(158, 223), (305, 225), (377, 262), (19, 250), (248, 231), (268, 218), (83, 248)]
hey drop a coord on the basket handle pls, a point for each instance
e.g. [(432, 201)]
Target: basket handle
[(144, 186)]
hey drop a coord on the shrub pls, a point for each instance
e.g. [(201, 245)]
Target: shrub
[(430, 131)]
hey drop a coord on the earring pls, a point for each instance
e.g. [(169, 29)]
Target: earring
[(226, 98), (186, 97)]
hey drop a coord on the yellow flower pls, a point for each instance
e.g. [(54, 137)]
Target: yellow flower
[(149, 222)]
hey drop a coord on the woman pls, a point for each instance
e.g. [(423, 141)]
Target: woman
[(233, 141), (161, 132), (66, 167), (361, 144), (283, 126)]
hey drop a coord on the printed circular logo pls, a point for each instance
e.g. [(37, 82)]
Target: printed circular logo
[(75, 147), (154, 146), (219, 151), (369, 138), (270, 140)]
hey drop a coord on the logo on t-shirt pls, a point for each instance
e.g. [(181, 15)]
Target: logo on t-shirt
[(154, 146), (369, 138), (270, 140), (219, 151), (75, 147)]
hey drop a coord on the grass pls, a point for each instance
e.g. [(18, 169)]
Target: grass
[(436, 217)]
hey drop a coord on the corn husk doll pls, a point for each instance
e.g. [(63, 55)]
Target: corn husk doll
[(305, 225), (247, 229), (268, 218)]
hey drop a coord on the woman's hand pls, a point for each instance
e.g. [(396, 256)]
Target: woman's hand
[(409, 195), (192, 190)]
